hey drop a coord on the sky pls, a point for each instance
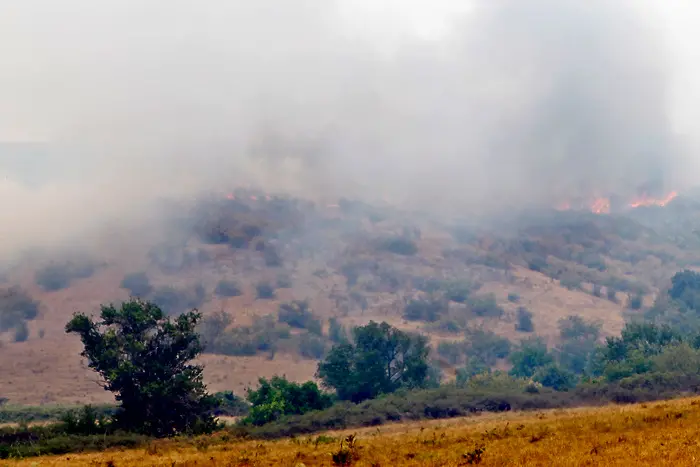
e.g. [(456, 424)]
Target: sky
[(464, 105)]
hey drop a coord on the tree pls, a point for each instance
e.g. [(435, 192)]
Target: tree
[(143, 356), (380, 360), (531, 355), (555, 377), (524, 320), (278, 397)]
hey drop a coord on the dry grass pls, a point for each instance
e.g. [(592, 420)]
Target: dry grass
[(648, 434)]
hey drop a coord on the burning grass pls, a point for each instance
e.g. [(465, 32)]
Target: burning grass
[(655, 434)]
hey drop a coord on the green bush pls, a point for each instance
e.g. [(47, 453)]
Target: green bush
[(278, 397), (176, 301), (486, 346), (513, 297), (57, 276), (21, 332), (485, 306), (529, 357), (312, 346)]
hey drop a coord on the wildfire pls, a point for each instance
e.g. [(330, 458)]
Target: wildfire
[(601, 205), (647, 201)]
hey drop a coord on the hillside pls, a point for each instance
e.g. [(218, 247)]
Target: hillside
[(642, 434), (450, 279)]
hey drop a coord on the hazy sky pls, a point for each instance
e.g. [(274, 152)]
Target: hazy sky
[(456, 104)]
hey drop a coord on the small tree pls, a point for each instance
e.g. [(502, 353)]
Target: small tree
[(529, 358), (380, 360), (143, 357)]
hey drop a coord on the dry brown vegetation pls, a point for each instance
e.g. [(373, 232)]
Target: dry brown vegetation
[(655, 434)]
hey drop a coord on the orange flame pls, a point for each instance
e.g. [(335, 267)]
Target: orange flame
[(647, 201), (601, 206)]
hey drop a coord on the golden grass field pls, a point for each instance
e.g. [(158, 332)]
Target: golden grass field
[(658, 434)]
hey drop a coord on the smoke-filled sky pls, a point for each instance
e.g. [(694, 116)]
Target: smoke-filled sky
[(467, 105)]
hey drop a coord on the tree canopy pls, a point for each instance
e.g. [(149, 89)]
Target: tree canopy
[(379, 360), (143, 356)]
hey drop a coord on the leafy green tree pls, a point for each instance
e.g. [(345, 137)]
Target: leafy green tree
[(524, 320), (531, 355), (555, 377), (379, 360), (278, 397), (143, 356)]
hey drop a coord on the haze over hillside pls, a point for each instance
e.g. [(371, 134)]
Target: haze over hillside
[(440, 176)]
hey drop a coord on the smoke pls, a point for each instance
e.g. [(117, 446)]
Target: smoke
[(521, 102)]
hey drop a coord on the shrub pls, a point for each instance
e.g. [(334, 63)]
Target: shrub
[(21, 332), (298, 315), (524, 320), (278, 397), (399, 245), (137, 284), (611, 294), (272, 257), (230, 405), (513, 297), (531, 355), (458, 292), (485, 306), (16, 307), (555, 377), (175, 301), (575, 327), (424, 310), (57, 276), (311, 346), (453, 352), (265, 290), (597, 291), (486, 346), (634, 302), (228, 288)]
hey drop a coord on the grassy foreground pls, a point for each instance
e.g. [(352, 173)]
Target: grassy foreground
[(660, 433)]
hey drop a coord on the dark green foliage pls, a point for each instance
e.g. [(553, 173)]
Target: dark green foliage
[(473, 368), (555, 377), (312, 346), (611, 294), (57, 276), (398, 245), (228, 288), (262, 336), (297, 314), (175, 301), (428, 310), (143, 357), (575, 327), (453, 352), (486, 346), (21, 332), (137, 284), (524, 320), (458, 291), (634, 302), (485, 306), (685, 286), (16, 307), (265, 290), (278, 397), (230, 405), (513, 297), (380, 360), (336, 331), (529, 357), (537, 264)]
